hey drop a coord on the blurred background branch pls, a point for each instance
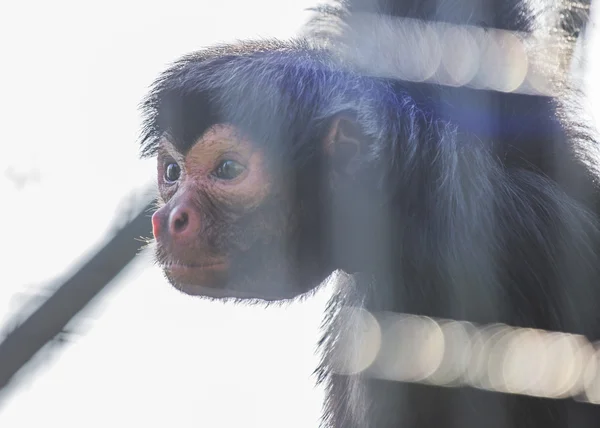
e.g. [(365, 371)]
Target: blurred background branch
[(72, 295)]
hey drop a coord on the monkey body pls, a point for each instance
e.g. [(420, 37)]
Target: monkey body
[(279, 163)]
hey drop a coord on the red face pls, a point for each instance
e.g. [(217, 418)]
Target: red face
[(230, 228), (214, 213)]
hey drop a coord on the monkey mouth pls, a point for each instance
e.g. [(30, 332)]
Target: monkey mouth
[(213, 280), (181, 268), (189, 276)]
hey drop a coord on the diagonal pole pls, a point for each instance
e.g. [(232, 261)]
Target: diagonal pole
[(72, 296)]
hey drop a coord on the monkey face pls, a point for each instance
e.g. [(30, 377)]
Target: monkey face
[(225, 228), (238, 223)]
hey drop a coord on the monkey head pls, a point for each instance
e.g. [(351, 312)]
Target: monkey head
[(246, 164)]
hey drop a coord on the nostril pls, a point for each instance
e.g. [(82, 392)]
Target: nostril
[(181, 221), (184, 222)]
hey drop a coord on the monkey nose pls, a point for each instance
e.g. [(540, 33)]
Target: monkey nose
[(184, 223)]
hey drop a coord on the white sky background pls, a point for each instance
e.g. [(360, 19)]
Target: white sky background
[(71, 76)]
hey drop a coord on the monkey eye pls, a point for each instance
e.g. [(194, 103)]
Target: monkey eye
[(228, 170), (172, 172)]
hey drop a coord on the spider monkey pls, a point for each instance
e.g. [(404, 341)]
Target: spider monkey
[(279, 163)]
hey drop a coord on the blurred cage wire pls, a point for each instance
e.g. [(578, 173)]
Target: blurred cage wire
[(401, 347), (538, 62), (454, 353)]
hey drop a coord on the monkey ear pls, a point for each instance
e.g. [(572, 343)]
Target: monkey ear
[(343, 143)]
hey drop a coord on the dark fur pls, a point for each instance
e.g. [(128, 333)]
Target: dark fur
[(440, 215)]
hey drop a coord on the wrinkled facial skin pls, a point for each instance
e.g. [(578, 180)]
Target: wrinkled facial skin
[(219, 230)]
